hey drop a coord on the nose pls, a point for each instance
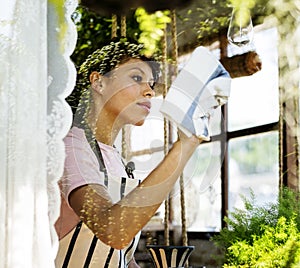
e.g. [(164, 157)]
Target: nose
[(148, 91)]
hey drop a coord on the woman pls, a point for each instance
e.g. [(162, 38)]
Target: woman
[(103, 207)]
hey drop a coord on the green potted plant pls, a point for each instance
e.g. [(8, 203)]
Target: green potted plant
[(262, 236)]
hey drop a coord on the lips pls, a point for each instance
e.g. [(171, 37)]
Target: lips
[(146, 105)]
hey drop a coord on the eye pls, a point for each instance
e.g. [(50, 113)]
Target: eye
[(137, 78)]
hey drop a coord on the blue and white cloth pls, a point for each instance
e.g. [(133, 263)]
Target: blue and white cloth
[(202, 85)]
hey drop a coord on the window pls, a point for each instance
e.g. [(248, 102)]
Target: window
[(253, 114), (241, 156)]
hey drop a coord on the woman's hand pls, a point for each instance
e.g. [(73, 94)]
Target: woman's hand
[(133, 264), (193, 140)]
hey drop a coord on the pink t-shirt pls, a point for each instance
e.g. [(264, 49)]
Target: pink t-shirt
[(81, 168)]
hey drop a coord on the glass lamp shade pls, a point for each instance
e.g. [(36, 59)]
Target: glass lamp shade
[(240, 30)]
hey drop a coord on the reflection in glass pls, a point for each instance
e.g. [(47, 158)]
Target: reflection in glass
[(253, 165)]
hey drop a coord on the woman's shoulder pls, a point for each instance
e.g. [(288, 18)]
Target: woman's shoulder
[(75, 134)]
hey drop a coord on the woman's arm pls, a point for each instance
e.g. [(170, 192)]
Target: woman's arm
[(117, 224)]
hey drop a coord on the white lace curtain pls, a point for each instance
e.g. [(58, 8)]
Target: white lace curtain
[(36, 74)]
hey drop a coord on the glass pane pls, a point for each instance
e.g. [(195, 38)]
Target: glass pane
[(253, 165), (254, 99), (202, 186)]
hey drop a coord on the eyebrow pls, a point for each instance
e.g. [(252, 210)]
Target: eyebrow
[(141, 70), (137, 68)]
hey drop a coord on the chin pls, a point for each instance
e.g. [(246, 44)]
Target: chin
[(139, 123)]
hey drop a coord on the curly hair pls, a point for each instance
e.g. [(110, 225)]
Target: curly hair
[(104, 60)]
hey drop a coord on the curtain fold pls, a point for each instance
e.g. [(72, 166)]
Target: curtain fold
[(36, 74)]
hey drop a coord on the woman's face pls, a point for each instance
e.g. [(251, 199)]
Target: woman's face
[(127, 92)]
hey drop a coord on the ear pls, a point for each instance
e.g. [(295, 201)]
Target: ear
[(96, 82)]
